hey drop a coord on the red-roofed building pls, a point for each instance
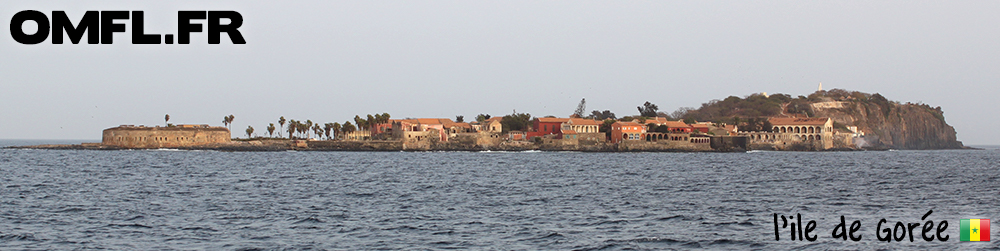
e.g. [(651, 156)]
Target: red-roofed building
[(677, 127), (621, 131), (700, 127), (421, 125)]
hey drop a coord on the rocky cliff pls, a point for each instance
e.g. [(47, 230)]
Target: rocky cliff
[(888, 124)]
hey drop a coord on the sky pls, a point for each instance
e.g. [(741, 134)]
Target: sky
[(328, 61)]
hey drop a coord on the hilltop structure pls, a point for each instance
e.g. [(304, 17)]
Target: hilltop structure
[(130, 136)]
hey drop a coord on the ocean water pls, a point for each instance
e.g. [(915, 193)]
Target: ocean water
[(207, 200)]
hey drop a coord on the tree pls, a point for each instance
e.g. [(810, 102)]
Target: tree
[(482, 117), (516, 122), (459, 118), (347, 128), (318, 130), (326, 128), (281, 121), (303, 129), (606, 114), (249, 132), (228, 120), (648, 109), (606, 128), (166, 119), (371, 122), (336, 129), (291, 128), (308, 125), (270, 130), (580, 108), (359, 122)]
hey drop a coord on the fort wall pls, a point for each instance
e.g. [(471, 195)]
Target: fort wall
[(127, 136)]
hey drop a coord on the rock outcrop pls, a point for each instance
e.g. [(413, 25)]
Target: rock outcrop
[(889, 124)]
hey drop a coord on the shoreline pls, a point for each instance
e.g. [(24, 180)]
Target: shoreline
[(392, 146)]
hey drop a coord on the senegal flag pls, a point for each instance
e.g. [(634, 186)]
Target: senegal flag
[(974, 230)]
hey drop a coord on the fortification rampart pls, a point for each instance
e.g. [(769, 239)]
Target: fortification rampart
[(164, 137)]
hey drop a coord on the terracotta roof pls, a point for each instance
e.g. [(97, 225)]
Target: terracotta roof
[(731, 128), (797, 121), (498, 118), (700, 125), (675, 124), (552, 120), (656, 120), (584, 122), (620, 123), (431, 121), (458, 124)]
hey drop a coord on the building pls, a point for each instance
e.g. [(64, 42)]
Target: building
[(621, 131), (580, 125), (548, 125), (786, 132), (491, 125), (556, 127), (700, 127), (414, 128), (129, 136)]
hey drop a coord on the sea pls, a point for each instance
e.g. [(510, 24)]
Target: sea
[(301, 200)]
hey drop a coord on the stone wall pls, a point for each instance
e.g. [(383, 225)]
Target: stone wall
[(164, 137)]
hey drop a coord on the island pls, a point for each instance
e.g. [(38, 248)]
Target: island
[(834, 120)]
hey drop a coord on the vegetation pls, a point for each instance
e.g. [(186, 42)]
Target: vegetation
[(598, 115), (270, 130), (166, 119), (516, 122), (291, 128), (327, 128), (648, 110), (581, 108), (347, 128), (249, 132), (483, 117), (281, 122), (459, 118), (317, 129), (227, 120)]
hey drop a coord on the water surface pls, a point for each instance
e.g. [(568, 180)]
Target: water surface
[(164, 199)]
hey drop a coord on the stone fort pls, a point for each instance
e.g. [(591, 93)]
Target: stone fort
[(129, 136)]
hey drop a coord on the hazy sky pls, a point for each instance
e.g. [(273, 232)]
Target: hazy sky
[(329, 60)]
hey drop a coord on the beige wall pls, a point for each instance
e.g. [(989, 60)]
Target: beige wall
[(163, 137)]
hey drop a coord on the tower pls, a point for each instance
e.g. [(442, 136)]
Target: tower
[(820, 87)]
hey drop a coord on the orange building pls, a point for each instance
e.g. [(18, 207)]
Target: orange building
[(621, 131)]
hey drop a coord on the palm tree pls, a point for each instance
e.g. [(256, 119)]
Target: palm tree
[(291, 129), (309, 125), (249, 132), (326, 129), (270, 130), (228, 120), (347, 128), (281, 121), (371, 122), (336, 129), (166, 119), (318, 130), (302, 129), (360, 122)]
